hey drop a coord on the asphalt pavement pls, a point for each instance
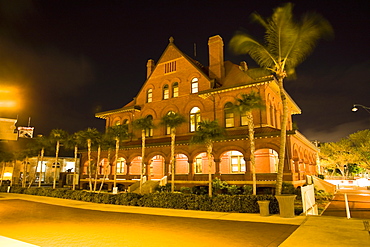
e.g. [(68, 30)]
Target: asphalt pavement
[(325, 230)]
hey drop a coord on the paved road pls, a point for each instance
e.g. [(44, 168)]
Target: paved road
[(358, 202), (52, 225)]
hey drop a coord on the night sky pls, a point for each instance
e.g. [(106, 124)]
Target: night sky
[(72, 59)]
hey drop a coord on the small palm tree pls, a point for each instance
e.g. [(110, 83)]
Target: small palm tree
[(118, 133), (287, 44), (245, 105), (57, 136), (88, 137), (172, 120), (207, 133), (143, 124)]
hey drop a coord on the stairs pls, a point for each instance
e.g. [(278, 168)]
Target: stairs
[(324, 185), (148, 187)]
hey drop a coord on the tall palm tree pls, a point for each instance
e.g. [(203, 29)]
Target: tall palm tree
[(41, 143), (57, 136), (172, 120), (88, 137), (143, 124), (207, 133), (73, 142), (245, 105), (286, 44), (118, 133)]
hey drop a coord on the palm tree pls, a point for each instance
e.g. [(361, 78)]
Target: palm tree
[(41, 144), (57, 136), (172, 120), (118, 133), (287, 44), (72, 142), (143, 124), (207, 133), (245, 105), (88, 137)]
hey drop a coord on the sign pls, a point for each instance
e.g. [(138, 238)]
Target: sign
[(25, 132)]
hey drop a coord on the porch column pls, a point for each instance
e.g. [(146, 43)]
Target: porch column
[(191, 171), (248, 169), (217, 166), (128, 165)]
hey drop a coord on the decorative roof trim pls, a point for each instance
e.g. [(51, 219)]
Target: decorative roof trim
[(105, 114)]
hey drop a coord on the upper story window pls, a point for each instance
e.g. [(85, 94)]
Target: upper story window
[(229, 115), (194, 118), (168, 128), (166, 92), (149, 131), (170, 67), (149, 95), (175, 90), (194, 85), (244, 118)]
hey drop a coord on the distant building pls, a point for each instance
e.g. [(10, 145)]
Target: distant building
[(181, 84), (8, 131)]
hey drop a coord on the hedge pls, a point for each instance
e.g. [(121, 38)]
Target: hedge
[(218, 203)]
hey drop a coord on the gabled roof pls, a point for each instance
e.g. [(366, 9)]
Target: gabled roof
[(127, 108)]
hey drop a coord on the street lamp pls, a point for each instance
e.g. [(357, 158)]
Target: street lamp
[(355, 108)]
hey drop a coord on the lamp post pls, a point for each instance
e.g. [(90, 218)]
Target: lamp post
[(355, 108)]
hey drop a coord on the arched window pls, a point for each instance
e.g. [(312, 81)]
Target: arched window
[(175, 90), (168, 129), (166, 92), (117, 122), (194, 85), (149, 95), (120, 167), (229, 115), (149, 131), (126, 121), (194, 118)]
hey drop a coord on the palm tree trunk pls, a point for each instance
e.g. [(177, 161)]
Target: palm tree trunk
[(97, 169), (116, 160), (2, 173), (89, 162), (252, 150), (142, 158), (55, 165), (173, 136), (42, 161), (209, 155), (284, 122), (74, 171), (106, 169)]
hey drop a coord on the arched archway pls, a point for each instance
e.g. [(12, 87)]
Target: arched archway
[(156, 167), (201, 165), (232, 162), (182, 164)]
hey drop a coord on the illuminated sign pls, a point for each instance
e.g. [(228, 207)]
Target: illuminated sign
[(25, 132)]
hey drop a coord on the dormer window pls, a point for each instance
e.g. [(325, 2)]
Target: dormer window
[(149, 95), (166, 92), (194, 85)]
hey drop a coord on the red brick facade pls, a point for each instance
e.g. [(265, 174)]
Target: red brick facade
[(180, 84)]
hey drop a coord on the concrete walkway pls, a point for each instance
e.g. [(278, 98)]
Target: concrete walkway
[(313, 230)]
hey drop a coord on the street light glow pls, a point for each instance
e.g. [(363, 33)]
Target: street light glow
[(355, 108)]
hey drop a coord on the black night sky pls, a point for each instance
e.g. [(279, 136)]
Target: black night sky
[(72, 58)]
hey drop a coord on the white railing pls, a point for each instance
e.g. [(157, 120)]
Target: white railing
[(163, 181)]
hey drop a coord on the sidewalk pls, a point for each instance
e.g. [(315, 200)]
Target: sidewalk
[(313, 230)]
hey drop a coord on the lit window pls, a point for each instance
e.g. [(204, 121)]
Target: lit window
[(198, 164), (166, 92), (194, 119), (194, 85), (237, 162), (117, 122), (149, 131), (229, 115), (120, 168), (168, 128), (175, 90), (244, 118), (149, 95)]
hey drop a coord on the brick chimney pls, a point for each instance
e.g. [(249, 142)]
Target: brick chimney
[(216, 58), (149, 67)]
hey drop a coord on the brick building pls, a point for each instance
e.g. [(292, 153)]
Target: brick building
[(181, 84)]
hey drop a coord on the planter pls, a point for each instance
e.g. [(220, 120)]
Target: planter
[(264, 207), (286, 205)]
